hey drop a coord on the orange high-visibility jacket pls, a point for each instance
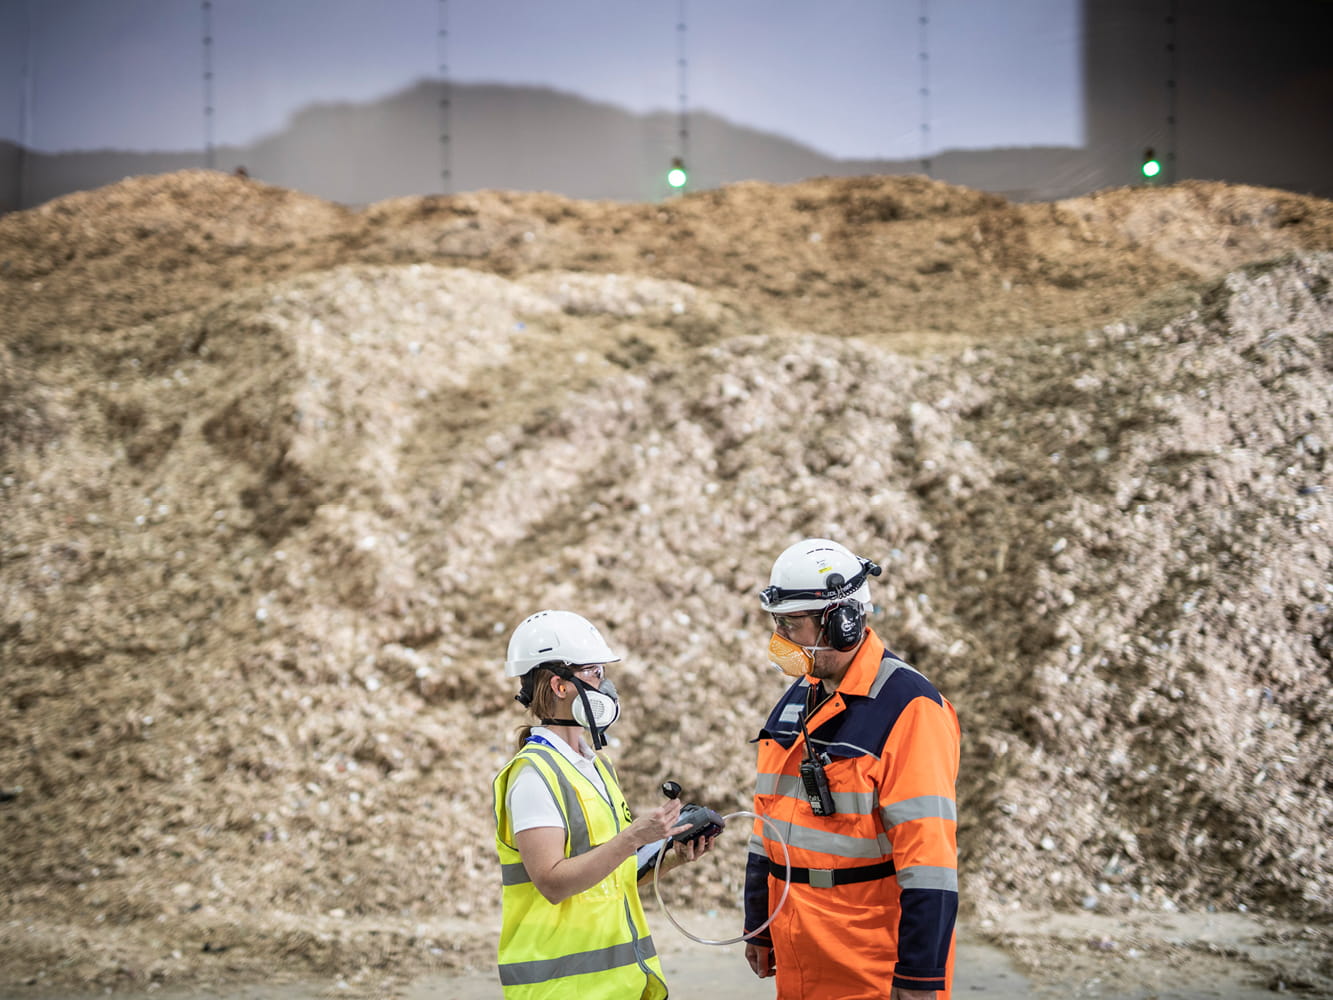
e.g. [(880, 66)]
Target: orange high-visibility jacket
[(874, 887)]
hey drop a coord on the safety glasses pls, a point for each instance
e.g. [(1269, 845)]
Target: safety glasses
[(790, 623)]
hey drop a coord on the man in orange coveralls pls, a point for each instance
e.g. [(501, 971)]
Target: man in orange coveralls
[(857, 764)]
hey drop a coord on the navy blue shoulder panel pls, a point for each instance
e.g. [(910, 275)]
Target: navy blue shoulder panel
[(863, 727), (784, 722)]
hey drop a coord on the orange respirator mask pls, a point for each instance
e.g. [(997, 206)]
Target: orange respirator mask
[(791, 659)]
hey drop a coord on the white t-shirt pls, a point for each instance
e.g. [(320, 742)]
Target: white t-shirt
[(530, 802)]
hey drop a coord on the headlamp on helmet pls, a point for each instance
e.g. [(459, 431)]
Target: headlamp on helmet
[(819, 575), (815, 573)]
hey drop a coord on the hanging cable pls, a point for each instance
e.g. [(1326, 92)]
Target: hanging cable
[(923, 34), (25, 110), (682, 66), (446, 96), (678, 173), (208, 83), (782, 900), (1172, 33)]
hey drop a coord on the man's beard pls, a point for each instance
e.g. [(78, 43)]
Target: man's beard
[(825, 665)]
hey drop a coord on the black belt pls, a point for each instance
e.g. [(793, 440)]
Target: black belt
[(827, 878)]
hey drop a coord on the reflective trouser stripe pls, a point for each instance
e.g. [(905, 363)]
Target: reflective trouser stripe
[(577, 964)]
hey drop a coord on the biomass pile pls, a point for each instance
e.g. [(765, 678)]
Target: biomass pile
[(278, 478)]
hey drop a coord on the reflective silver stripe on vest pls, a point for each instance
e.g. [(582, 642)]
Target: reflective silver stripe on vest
[(514, 874), (644, 949), (577, 964), (789, 786), (928, 877), (580, 842), (921, 807)]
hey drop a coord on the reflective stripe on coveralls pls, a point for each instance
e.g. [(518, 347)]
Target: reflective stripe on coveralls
[(595, 944), (893, 740)]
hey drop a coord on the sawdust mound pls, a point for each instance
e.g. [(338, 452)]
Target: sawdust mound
[(278, 478)]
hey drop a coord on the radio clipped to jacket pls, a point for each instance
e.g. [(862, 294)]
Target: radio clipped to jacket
[(813, 779), (815, 783)]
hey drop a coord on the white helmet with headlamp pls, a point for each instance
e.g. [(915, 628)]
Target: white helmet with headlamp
[(563, 642), (814, 573), (818, 574)]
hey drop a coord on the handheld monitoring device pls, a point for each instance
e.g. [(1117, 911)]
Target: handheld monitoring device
[(707, 823), (704, 822)]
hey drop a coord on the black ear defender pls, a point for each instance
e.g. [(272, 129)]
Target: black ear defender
[(844, 624), (843, 620)]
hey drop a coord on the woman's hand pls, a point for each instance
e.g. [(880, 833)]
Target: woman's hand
[(660, 823), (558, 877), (692, 850)]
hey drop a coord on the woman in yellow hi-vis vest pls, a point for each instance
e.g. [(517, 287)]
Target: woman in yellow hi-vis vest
[(570, 853)]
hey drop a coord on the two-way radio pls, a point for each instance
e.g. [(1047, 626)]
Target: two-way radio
[(813, 778)]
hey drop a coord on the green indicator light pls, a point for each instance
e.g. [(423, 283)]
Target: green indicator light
[(1151, 166)]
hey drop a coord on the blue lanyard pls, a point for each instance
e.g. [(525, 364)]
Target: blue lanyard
[(535, 738)]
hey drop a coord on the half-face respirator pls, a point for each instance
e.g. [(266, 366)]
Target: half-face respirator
[(594, 709)]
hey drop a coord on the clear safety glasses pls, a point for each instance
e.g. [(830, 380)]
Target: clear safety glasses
[(791, 623)]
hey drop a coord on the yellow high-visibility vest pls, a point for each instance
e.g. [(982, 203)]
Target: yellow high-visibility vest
[(594, 945)]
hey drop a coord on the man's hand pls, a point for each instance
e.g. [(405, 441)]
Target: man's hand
[(761, 960)]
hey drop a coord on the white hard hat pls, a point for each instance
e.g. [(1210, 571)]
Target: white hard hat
[(815, 573), (555, 636)]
